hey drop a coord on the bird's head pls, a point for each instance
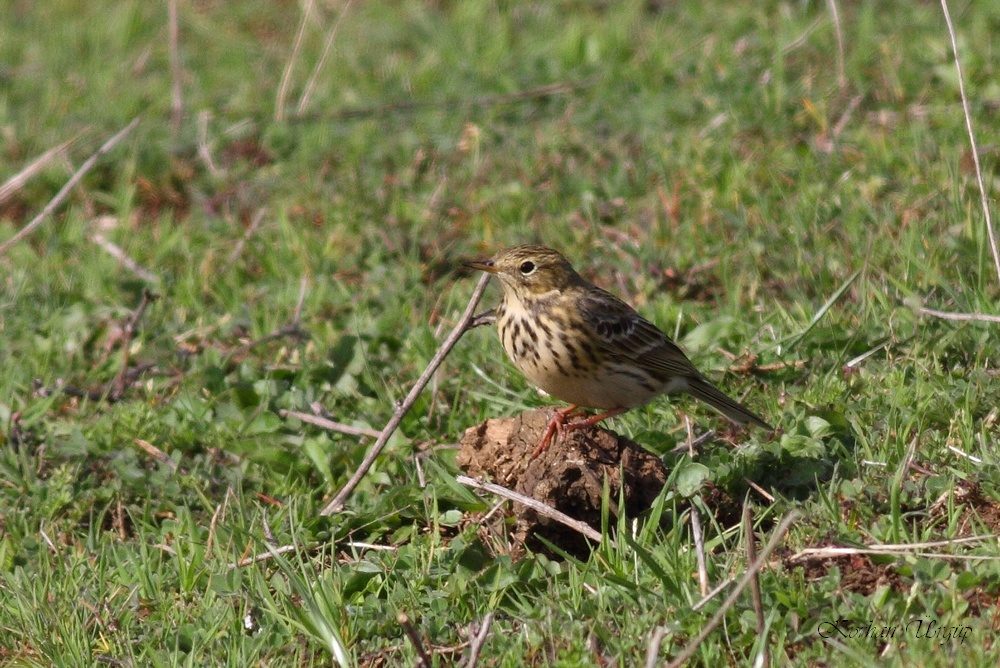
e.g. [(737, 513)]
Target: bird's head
[(529, 271)]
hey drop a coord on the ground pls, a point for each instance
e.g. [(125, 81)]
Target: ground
[(785, 188)]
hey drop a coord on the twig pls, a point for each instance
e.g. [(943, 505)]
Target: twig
[(374, 547), (329, 425), (73, 180), (837, 294), (204, 150), (749, 363), (548, 90), (801, 39), (865, 355), (712, 594), (699, 550), (537, 506), (176, 83), (820, 553), (760, 490), (292, 329), (263, 556), (991, 233), (690, 446), (411, 633), (838, 129), (157, 454), (273, 552), (476, 646), (297, 314), (653, 648), (16, 182), (327, 46), (48, 541), (838, 31), (460, 328), (971, 458), (758, 605), (484, 318), (753, 568), (689, 428), (101, 394), (128, 334), (945, 315), (251, 229), (269, 538), (116, 252), (286, 75), (220, 511)]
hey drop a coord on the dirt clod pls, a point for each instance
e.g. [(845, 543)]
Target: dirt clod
[(569, 476)]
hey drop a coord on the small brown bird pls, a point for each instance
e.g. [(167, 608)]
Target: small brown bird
[(587, 347)]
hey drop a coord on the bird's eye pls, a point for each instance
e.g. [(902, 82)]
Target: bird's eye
[(527, 267)]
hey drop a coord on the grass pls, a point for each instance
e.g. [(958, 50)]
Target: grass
[(700, 160)]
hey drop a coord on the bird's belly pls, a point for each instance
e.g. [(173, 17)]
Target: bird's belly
[(592, 386), (606, 392), (551, 359)]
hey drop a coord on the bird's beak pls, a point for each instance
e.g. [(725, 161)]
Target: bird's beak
[(482, 265)]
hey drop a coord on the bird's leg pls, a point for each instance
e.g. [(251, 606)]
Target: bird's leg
[(556, 425), (592, 420)]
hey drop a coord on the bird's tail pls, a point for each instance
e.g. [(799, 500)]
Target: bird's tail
[(702, 389)]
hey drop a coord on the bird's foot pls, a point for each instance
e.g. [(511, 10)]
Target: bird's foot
[(558, 425)]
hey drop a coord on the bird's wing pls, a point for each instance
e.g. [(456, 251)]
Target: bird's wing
[(628, 337)]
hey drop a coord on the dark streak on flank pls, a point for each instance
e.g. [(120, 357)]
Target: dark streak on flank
[(530, 331), (544, 326), (590, 352), (574, 356)]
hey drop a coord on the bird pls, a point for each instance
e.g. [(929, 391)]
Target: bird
[(586, 347)]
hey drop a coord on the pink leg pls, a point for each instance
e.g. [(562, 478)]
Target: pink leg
[(593, 419), (558, 424)]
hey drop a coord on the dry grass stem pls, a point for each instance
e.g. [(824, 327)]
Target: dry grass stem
[(264, 556), (115, 251), (482, 101), (156, 453), (751, 546), (128, 335), (255, 222), (653, 649), (68, 187), (460, 328), (404, 620), (478, 640), (699, 550), (286, 75), (820, 553), (984, 200), (17, 182), (744, 581), (176, 74), (329, 425), (576, 525), (204, 150), (327, 47), (945, 315), (839, 32)]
